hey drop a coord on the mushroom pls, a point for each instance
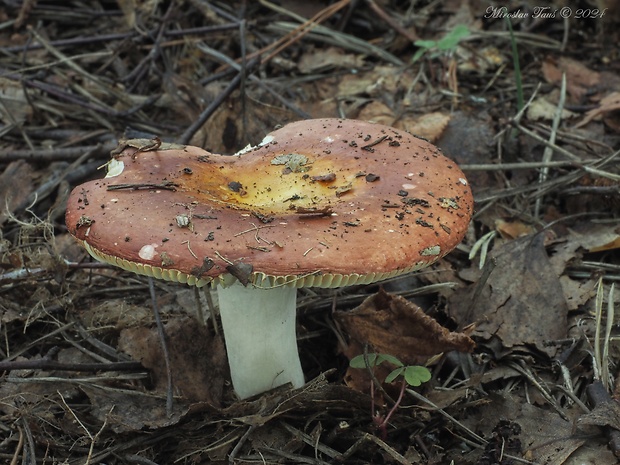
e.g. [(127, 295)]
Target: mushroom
[(324, 203)]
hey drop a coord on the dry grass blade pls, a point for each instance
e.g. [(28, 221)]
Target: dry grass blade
[(298, 32), (525, 39), (325, 35), (93, 439), (479, 439), (330, 36), (70, 62), (602, 336), (548, 153)]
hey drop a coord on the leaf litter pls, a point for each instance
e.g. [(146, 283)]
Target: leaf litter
[(531, 286)]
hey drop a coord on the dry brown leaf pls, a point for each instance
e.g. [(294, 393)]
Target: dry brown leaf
[(429, 126), (543, 109), (392, 325), (513, 229), (227, 133), (577, 292), (443, 398), (128, 7), (468, 139), (16, 184), (603, 414), (320, 60), (579, 78), (479, 61), (125, 410), (380, 81), (596, 237), (15, 106), (522, 301), (608, 104), (198, 359), (545, 436), (376, 112)]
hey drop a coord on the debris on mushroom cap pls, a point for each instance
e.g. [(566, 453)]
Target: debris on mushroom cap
[(323, 202)]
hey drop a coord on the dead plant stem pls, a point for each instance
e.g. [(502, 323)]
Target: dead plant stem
[(297, 33), (164, 347), (548, 152), (479, 439)]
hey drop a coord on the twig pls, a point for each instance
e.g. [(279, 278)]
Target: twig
[(29, 454), (164, 346), (536, 137), (260, 82), (525, 371), (239, 445), (138, 72), (120, 95), (87, 40), (93, 439), (526, 165), (411, 36), (47, 364), (311, 441), (296, 34), (479, 439), (19, 447), (166, 185), (186, 137), (366, 437), (46, 188), (327, 35), (68, 153)]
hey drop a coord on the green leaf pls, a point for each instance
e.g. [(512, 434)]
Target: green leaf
[(451, 40), (390, 359), (423, 47), (359, 361), (418, 54), (416, 375), (427, 44), (374, 360), (394, 374)]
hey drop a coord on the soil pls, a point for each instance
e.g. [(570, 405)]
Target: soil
[(518, 331)]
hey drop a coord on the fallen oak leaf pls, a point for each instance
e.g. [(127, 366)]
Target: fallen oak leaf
[(392, 325), (199, 365), (521, 303)]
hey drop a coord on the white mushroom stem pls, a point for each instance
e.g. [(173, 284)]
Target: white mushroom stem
[(261, 341)]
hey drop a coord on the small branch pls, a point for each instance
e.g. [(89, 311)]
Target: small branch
[(409, 35), (186, 137), (369, 147), (87, 40), (50, 155), (168, 185), (164, 347), (47, 364)]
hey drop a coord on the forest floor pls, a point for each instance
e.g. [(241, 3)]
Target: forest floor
[(527, 103)]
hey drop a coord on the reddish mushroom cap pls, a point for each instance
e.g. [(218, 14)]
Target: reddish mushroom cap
[(323, 202)]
